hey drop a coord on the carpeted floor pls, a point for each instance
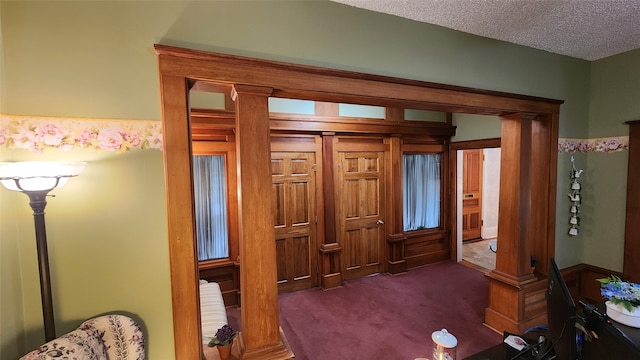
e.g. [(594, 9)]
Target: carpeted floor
[(387, 317), (478, 253)]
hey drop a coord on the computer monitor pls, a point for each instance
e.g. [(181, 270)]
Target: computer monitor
[(561, 315)]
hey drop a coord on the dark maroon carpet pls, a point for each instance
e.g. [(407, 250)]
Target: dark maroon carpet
[(388, 317)]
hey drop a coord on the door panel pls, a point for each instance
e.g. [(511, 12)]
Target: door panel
[(360, 212), (293, 178), (472, 194)]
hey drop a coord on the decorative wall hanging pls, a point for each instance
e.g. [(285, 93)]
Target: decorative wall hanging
[(574, 196)]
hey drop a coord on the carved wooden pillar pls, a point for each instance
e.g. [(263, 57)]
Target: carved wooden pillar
[(330, 250), (516, 220), (261, 337)]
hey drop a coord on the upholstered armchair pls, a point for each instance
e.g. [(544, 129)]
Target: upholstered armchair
[(108, 337)]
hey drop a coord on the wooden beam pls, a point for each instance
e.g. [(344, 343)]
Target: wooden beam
[(330, 85)]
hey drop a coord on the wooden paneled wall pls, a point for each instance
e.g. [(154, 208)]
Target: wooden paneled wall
[(582, 281), (213, 132)]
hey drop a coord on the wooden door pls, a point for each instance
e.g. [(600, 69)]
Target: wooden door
[(293, 176), (472, 194), (361, 211)]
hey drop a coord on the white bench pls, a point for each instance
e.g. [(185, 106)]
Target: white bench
[(213, 313)]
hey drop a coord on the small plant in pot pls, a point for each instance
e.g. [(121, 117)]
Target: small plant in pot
[(223, 339)]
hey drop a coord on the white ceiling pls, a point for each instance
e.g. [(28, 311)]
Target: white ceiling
[(585, 29)]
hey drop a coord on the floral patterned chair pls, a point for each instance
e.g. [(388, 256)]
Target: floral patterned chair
[(108, 337)]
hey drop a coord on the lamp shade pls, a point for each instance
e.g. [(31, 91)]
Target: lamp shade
[(37, 175)]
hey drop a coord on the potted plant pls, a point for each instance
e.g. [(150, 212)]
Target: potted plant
[(224, 340), (623, 300)]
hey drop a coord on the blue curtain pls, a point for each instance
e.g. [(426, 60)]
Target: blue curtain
[(421, 191), (209, 182)]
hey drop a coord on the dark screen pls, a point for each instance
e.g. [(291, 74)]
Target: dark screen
[(561, 315)]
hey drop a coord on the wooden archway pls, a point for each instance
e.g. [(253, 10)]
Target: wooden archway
[(527, 191)]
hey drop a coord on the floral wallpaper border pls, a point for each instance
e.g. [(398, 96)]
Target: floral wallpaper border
[(37, 134), (605, 145)]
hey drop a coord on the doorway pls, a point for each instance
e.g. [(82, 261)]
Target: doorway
[(294, 178), (360, 214), (529, 126), (478, 185), (472, 173)]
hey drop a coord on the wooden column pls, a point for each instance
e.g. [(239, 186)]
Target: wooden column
[(330, 249), (394, 183), (261, 337), (506, 305), (631, 267), (177, 161), (396, 263)]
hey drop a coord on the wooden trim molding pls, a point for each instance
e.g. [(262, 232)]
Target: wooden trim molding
[(180, 68)]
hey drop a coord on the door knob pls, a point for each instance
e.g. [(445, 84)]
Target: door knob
[(380, 222)]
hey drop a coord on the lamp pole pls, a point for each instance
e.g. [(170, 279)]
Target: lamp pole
[(37, 200), (37, 179)]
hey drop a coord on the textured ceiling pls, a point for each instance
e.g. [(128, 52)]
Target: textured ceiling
[(585, 29)]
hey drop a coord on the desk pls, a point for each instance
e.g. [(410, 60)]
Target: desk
[(609, 345), (497, 352), (500, 352)]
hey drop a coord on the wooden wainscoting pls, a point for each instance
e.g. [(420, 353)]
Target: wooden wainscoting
[(426, 247), (582, 281)]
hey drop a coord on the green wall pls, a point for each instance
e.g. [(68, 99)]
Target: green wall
[(107, 228), (614, 100)]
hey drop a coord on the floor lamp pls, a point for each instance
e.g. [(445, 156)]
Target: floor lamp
[(37, 179)]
